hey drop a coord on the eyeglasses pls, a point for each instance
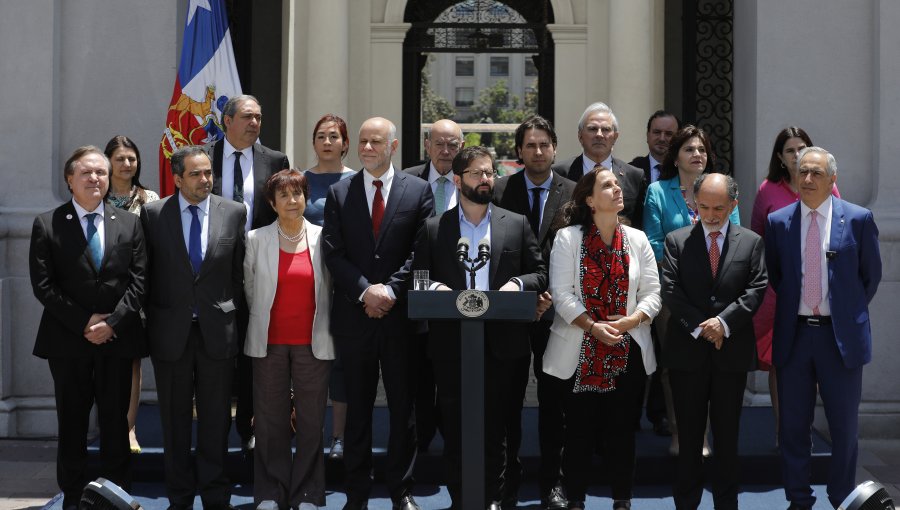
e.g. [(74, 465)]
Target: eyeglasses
[(490, 174)]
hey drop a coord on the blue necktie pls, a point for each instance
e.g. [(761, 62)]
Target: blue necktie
[(194, 250), (94, 240)]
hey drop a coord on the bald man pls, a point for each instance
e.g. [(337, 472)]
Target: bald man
[(371, 222), (443, 143)]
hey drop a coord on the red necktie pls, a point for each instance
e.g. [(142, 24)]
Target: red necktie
[(714, 253), (377, 208), (812, 262)]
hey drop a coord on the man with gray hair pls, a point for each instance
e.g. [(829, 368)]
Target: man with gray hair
[(713, 280), (821, 339), (598, 131)]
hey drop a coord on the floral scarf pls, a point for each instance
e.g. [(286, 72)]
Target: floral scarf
[(604, 284)]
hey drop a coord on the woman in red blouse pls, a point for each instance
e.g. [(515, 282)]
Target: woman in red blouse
[(289, 294)]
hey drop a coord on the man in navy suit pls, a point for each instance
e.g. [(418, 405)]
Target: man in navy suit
[(825, 266), (88, 264), (371, 223)]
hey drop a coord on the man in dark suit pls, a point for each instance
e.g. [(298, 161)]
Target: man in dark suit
[(661, 127), (537, 193), (515, 264), (195, 243), (825, 266), (598, 131), (241, 167), (713, 280), (444, 141), (371, 221), (88, 263)]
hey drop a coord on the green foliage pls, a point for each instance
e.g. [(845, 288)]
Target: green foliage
[(495, 105), (472, 139)]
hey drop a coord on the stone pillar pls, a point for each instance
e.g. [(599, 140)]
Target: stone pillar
[(571, 83), (385, 80)]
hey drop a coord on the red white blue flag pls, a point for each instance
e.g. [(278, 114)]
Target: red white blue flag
[(207, 78)]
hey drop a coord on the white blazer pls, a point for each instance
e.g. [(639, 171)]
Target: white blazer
[(564, 345), (261, 280)]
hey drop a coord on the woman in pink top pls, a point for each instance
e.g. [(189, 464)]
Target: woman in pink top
[(778, 190)]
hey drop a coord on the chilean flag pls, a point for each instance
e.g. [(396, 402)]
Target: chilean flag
[(207, 78)]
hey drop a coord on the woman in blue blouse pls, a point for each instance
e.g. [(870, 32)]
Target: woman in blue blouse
[(670, 205)]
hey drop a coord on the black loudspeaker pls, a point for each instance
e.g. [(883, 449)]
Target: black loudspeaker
[(868, 496), (101, 494)]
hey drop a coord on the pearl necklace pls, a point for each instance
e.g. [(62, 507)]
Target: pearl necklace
[(293, 239)]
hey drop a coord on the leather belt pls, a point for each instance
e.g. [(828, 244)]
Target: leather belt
[(814, 320)]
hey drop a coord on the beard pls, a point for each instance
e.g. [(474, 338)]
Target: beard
[(479, 197)]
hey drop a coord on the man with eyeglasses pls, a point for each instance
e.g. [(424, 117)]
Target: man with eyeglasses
[(443, 144), (515, 264), (598, 131), (538, 193)]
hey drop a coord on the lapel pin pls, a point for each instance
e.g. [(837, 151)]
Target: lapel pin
[(68, 216)]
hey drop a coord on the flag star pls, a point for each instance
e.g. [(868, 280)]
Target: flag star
[(194, 5)]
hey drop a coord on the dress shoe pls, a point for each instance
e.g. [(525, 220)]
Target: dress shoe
[(576, 505), (662, 429), (795, 506), (554, 500), (337, 449), (405, 503), (495, 506), (248, 445), (622, 504), (355, 505)]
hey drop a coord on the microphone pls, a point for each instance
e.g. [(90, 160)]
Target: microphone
[(462, 249), (484, 250)]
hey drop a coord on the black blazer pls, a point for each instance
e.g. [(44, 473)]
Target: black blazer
[(71, 289), (514, 253), (421, 171), (217, 291), (693, 296), (266, 162), (643, 163), (631, 180), (511, 193), (356, 260)]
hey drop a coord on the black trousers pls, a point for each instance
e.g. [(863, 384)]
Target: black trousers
[(718, 395), (607, 420), (363, 356), (78, 383), (428, 415), (195, 375)]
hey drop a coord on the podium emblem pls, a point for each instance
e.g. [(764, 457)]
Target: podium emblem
[(472, 303)]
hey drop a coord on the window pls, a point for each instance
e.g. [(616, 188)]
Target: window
[(465, 66), (499, 66), (530, 68), (465, 96)]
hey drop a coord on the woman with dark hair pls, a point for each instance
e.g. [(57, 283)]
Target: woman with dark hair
[(670, 205), (605, 288), (288, 291), (127, 192), (779, 189), (331, 143)]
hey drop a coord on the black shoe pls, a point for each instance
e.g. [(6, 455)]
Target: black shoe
[(554, 500), (795, 506), (405, 503), (337, 449), (248, 445), (622, 504), (662, 429), (576, 505), (356, 505)]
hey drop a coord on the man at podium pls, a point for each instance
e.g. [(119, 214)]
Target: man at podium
[(503, 243)]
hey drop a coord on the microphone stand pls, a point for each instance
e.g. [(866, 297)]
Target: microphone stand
[(471, 266)]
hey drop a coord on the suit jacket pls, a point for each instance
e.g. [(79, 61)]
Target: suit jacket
[(642, 163), (666, 211), (216, 291), (631, 180), (261, 282), (357, 260), (854, 271), (71, 289), (511, 193), (564, 346), (514, 254), (421, 171), (693, 295), (266, 162)]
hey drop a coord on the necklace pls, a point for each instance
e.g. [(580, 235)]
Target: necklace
[(296, 238)]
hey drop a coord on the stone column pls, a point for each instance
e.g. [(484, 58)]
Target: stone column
[(571, 83), (385, 81)]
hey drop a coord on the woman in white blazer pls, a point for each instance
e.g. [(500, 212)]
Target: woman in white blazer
[(288, 292), (605, 289)]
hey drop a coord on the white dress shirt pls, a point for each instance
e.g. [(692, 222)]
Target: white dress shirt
[(824, 222), (588, 164), (449, 187), (654, 169), (228, 158), (98, 222)]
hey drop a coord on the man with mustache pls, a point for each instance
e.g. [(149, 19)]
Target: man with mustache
[(661, 127), (195, 243), (515, 264), (598, 131)]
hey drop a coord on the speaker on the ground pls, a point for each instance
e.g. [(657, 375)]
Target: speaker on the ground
[(868, 495), (101, 494)]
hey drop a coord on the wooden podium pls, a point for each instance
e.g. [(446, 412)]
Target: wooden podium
[(472, 308)]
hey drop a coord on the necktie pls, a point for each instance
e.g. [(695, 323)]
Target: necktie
[(377, 208), (440, 199), (94, 240), (238, 193), (812, 261), (534, 216), (654, 173), (714, 252), (194, 251)]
